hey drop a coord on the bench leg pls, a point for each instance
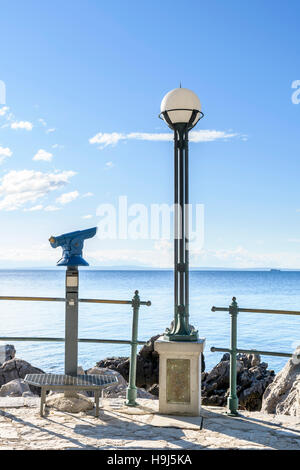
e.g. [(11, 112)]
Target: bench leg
[(97, 394), (43, 400)]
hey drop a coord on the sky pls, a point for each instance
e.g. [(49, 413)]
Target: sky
[(79, 126)]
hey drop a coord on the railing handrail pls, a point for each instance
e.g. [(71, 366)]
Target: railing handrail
[(38, 299), (257, 310), (62, 340), (62, 299), (234, 310), (135, 303), (253, 351)]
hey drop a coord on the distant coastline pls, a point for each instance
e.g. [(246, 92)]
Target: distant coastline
[(147, 268)]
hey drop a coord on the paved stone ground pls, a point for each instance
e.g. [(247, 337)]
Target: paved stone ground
[(120, 427)]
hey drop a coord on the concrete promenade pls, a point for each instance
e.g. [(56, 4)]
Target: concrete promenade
[(120, 427)]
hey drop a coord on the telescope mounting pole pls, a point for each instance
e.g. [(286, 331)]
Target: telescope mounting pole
[(71, 321)]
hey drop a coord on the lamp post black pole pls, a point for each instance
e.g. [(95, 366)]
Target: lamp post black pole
[(180, 329)]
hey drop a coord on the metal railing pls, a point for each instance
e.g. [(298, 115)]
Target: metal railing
[(234, 310), (135, 304)]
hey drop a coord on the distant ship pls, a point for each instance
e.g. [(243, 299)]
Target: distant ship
[(275, 270)]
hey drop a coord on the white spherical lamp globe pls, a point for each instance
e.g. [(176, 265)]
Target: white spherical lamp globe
[(179, 105)]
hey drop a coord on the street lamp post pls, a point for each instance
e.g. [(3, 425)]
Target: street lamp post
[(181, 110)]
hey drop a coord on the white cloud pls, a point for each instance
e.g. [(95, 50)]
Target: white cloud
[(106, 139), (5, 152), (57, 146), (35, 253), (241, 257), (67, 197), (161, 257), (43, 155), (39, 207), (52, 208), (43, 122), (151, 258), (18, 188), (22, 125), (162, 136), (210, 135), (48, 131), (3, 110), (87, 195), (109, 164), (88, 216)]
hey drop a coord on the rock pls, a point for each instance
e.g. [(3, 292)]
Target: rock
[(7, 352), (56, 392), (17, 369), (115, 392), (283, 395), (251, 398), (147, 352), (142, 393), (74, 404), (106, 371), (14, 388), (118, 389), (253, 378), (119, 364), (147, 367), (154, 390), (28, 394)]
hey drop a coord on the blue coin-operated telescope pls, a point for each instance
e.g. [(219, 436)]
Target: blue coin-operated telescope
[(72, 245)]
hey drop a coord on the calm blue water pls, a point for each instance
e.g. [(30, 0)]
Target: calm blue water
[(279, 290)]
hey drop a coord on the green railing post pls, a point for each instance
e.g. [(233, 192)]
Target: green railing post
[(233, 310), (233, 399), (131, 392)]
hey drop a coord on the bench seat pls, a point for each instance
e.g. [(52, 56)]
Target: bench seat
[(68, 383)]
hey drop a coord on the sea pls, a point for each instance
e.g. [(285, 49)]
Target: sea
[(253, 289)]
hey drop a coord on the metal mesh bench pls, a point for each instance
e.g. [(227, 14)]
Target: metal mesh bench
[(66, 383)]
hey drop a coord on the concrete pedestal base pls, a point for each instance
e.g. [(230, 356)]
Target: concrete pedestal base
[(179, 376)]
